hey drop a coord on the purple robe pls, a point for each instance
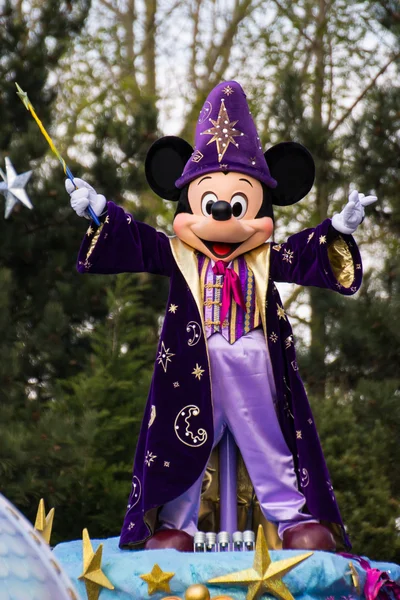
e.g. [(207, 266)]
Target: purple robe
[(176, 436)]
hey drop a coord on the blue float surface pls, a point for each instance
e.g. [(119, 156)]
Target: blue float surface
[(322, 576)]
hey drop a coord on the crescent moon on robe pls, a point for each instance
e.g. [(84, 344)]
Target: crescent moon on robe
[(205, 111), (304, 478), (182, 427), (136, 492), (195, 330)]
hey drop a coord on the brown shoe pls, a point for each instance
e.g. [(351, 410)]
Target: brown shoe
[(170, 538), (308, 536)]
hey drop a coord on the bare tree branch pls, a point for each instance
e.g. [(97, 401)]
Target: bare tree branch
[(193, 47), (293, 297), (111, 7), (364, 92), (149, 50), (292, 17)]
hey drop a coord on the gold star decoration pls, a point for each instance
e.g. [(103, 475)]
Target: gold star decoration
[(299, 435), (107, 219), (310, 237), (322, 239), (198, 371), (264, 576), (89, 231), (43, 523), (223, 132), (164, 356), (157, 580), (173, 308), (92, 575), (280, 312)]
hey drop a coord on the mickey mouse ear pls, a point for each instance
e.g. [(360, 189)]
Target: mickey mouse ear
[(164, 164), (292, 165)]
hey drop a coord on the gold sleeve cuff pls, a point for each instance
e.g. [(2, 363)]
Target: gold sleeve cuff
[(94, 241), (341, 262)]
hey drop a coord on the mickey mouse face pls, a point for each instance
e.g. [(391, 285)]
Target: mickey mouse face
[(225, 214), (222, 223)]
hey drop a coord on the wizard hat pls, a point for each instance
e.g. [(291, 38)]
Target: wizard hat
[(226, 140)]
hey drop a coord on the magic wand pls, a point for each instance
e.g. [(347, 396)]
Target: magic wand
[(28, 105)]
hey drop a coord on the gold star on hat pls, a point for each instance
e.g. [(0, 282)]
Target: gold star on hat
[(92, 575), (43, 523), (223, 132), (264, 576), (157, 580)]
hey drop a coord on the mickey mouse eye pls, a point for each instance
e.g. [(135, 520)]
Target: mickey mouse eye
[(207, 201), (239, 205)]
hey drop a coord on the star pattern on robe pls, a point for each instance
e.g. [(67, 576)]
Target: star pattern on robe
[(173, 308), (310, 237), (228, 90), (264, 576), (149, 458), (92, 575), (223, 132), (12, 187), (280, 312), (288, 255), (89, 231), (322, 239), (157, 580), (198, 371), (299, 435), (164, 356), (273, 337)]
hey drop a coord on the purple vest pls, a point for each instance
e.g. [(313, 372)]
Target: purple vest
[(237, 322)]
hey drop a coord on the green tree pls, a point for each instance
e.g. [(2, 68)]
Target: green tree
[(115, 387), (44, 305)]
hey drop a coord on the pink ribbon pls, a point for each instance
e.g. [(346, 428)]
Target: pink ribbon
[(378, 584), (231, 287)]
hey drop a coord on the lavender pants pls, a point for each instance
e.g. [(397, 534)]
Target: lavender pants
[(243, 396)]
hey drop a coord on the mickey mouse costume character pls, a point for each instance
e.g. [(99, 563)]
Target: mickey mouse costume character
[(226, 357)]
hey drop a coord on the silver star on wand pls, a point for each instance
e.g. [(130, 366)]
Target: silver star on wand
[(13, 188)]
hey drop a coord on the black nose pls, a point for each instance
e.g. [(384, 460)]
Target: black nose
[(221, 210)]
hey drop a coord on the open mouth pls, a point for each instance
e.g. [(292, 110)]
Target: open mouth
[(221, 249)]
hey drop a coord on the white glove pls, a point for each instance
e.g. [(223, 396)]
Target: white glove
[(353, 213), (82, 194)]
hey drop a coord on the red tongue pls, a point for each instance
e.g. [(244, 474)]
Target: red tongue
[(221, 249)]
